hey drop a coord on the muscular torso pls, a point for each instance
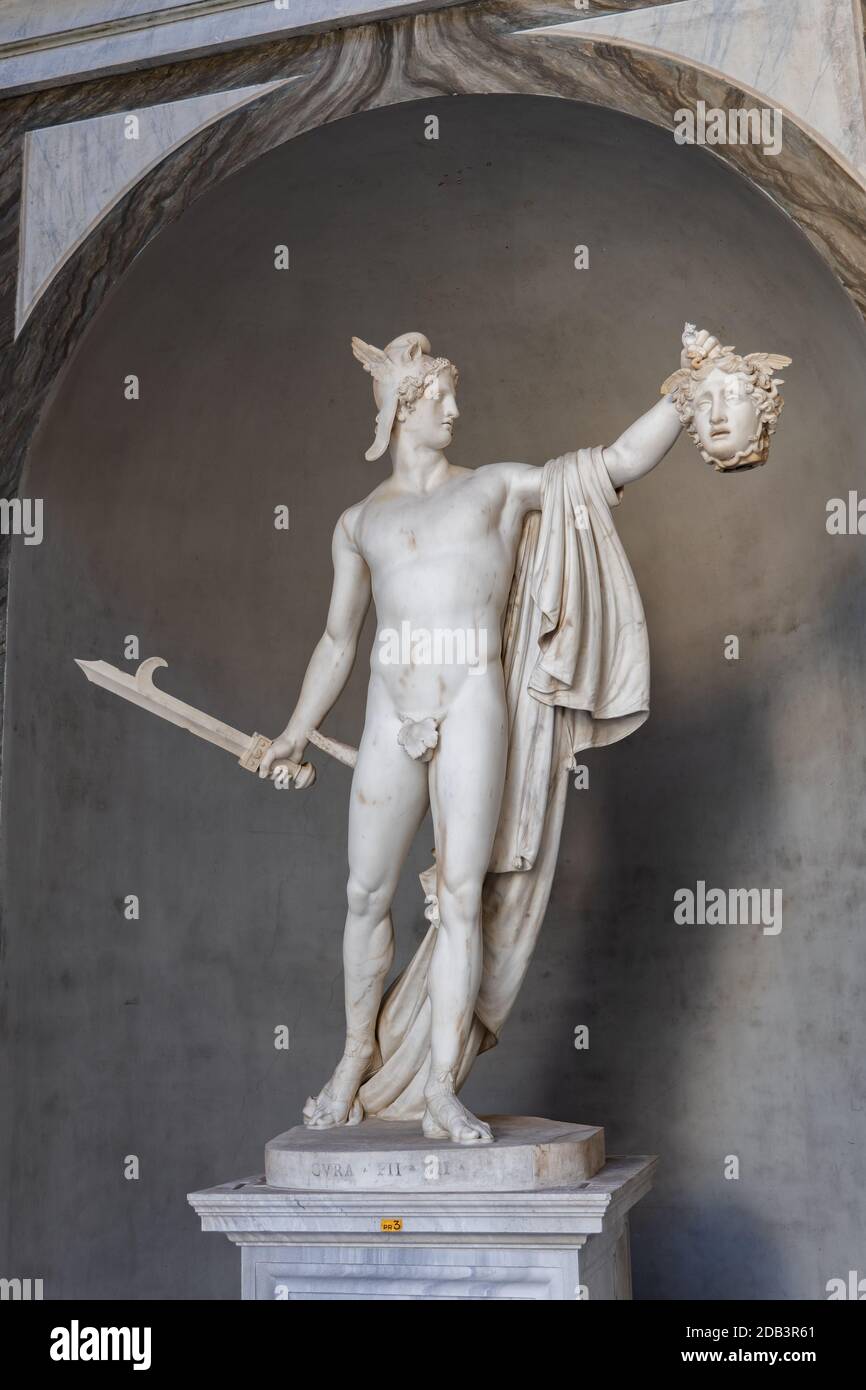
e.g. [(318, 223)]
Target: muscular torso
[(440, 563)]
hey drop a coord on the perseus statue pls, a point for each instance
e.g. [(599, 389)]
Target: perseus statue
[(510, 637)]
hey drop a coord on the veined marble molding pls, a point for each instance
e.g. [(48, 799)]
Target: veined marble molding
[(75, 173), (479, 47), (804, 55), (45, 42)]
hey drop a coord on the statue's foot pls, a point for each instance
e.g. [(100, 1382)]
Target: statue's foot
[(322, 1111), (447, 1118), (337, 1103)]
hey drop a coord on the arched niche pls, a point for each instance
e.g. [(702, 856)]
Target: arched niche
[(164, 532)]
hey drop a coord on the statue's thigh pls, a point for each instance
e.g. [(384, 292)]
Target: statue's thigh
[(389, 799), (467, 775)]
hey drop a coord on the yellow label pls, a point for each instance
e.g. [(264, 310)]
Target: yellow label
[(391, 1223)]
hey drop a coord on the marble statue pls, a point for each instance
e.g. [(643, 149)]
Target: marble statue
[(510, 636)]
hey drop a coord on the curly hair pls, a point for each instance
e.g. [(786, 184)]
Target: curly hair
[(412, 388), (756, 369)]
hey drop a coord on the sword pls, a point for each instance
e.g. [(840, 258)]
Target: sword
[(249, 749)]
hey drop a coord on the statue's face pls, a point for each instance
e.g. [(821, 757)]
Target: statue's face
[(726, 419), (430, 422)]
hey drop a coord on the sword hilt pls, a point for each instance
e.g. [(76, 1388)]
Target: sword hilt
[(302, 774)]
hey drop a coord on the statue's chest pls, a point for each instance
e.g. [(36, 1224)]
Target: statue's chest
[(424, 531)]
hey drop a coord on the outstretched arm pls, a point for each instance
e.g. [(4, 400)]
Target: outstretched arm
[(640, 448), (645, 443), (636, 452), (334, 654)]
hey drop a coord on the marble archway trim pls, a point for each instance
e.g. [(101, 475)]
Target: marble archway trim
[(76, 172), (47, 42), (804, 55), (470, 49), (465, 50)]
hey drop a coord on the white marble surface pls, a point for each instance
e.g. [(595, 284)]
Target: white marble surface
[(22, 19), (564, 1244), (804, 55), (393, 1156), (113, 35), (248, 1210), (75, 173)]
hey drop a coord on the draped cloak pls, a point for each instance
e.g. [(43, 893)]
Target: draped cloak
[(576, 662)]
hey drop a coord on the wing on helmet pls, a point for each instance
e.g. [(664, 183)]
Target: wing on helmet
[(372, 359)]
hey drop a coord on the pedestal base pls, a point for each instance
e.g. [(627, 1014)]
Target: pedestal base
[(565, 1243), (527, 1153)]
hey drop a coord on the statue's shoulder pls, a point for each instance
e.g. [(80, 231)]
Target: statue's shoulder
[(514, 480), (505, 472), (349, 526)]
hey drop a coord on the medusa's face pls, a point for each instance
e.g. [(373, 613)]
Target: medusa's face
[(726, 419)]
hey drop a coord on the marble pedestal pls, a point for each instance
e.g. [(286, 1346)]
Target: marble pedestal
[(394, 1156), (561, 1243)]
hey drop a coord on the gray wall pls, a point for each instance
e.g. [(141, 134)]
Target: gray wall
[(156, 1037)]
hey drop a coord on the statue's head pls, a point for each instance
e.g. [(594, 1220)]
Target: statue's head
[(729, 404), (415, 393)]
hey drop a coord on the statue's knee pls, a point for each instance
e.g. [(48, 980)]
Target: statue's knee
[(459, 900), (371, 903)]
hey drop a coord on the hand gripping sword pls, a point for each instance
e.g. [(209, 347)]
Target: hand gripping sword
[(249, 749)]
